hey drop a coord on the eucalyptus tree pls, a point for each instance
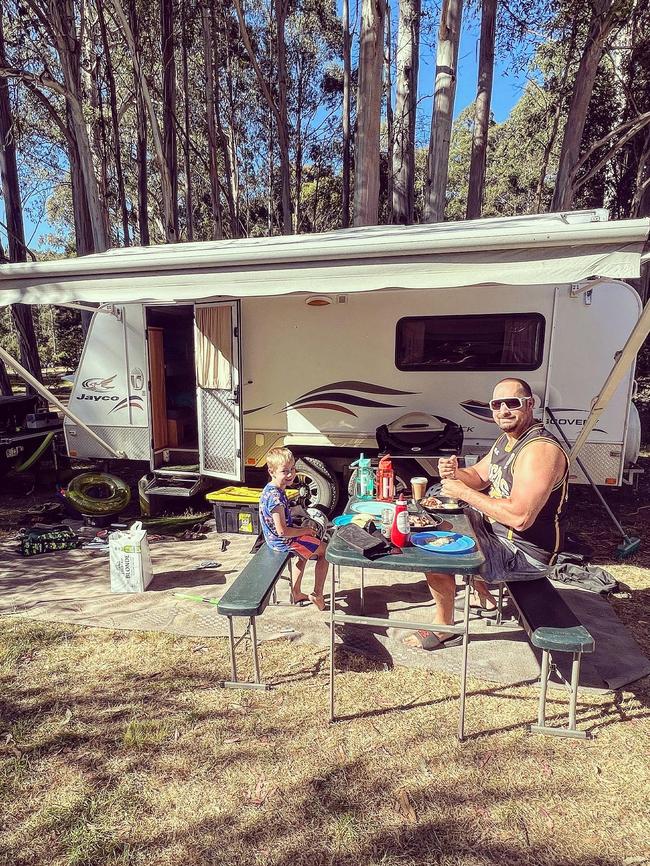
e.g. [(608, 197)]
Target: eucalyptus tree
[(367, 143), (407, 61), (482, 109), (444, 95)]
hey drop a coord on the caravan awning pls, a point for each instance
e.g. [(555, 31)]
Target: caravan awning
[(527, 250)]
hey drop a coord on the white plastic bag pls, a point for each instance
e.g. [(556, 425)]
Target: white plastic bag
[(130, 559)]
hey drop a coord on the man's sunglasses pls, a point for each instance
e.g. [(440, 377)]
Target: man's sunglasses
[(510, 403)]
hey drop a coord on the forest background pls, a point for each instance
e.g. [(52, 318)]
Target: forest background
[(137, 122)]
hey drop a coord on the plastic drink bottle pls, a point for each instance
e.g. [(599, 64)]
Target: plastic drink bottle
[(385, 480), (400, 532), (365, 482)]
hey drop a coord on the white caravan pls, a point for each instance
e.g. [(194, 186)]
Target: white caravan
[(208, 355)]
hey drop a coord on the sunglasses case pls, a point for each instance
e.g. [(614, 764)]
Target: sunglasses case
[(363, 542)]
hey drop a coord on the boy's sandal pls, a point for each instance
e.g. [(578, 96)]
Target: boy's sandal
[(430, 641)]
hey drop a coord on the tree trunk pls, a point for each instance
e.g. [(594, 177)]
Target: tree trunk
[(21, 313), (216, 222), (602, 21), (367, 147), (388, 90), (408, 54), (482, 111), (278, 111), (169, 99), (443, 110), (189, 186), (347, 71), (117, 148), (141, 138), (281, 10), (230, 188), (142, 89)]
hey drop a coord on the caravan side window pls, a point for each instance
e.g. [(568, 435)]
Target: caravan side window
[(507, 341)]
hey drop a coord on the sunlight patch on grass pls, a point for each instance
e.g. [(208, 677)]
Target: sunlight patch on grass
[(141, 733)]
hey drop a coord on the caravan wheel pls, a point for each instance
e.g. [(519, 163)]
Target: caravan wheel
[(319, 481)]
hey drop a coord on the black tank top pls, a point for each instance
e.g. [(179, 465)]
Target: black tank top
[(543, 539)]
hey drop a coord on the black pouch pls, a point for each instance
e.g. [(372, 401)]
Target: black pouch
[(363, 542), (46, 539)]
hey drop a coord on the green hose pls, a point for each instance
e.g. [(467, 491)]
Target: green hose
[(35, 456)]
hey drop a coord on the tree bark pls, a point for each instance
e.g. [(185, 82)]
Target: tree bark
[(189, 185), (603, 20), (115, 124), (231, 187), (408, 59), (169, 100), (141, 138), (21, 313), (443, 109), (482, 111), (347, 72), (367, 145), (216, 221), (388, 90)]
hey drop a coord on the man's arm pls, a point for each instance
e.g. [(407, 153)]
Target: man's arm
[(538, 469)]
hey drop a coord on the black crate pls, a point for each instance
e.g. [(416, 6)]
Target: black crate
[(235, 517)]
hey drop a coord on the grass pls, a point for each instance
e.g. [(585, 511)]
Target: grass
[(116, 748)]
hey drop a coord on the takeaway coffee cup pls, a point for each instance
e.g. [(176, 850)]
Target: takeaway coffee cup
[(418, 486)]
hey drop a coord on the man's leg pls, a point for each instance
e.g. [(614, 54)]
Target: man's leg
[(443, 590)]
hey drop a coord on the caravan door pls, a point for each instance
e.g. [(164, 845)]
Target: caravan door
[(218, 389)]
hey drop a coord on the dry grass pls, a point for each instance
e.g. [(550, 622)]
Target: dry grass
[(116, 748)]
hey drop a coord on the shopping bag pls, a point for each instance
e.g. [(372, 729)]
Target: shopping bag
[(130, 560)]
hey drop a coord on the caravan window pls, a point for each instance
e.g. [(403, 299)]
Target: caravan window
[(507, 341)]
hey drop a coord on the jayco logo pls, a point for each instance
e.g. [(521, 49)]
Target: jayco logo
[(95, 397), (98, 384)]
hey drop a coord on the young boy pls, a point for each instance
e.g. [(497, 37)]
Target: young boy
[(279, 534)]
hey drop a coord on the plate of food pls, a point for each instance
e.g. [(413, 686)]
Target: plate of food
[(443, 542), (422, 520), (441, 503)]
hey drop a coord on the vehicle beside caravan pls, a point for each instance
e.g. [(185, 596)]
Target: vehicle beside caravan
[(208, 355)]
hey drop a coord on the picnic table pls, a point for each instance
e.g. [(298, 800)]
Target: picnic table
[(410, 559)]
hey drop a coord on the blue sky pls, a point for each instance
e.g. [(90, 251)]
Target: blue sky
[(507, 88)]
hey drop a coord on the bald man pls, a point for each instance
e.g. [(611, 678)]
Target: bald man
[(518, 520)]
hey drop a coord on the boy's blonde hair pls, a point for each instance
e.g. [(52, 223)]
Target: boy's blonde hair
[(278, 457)]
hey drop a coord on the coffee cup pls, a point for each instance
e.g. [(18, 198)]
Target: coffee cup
[(418, 486)]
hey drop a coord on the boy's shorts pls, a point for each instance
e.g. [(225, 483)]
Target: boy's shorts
[(304, 546)]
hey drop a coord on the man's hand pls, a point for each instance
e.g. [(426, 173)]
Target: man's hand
[(447, 467), (453, 488)]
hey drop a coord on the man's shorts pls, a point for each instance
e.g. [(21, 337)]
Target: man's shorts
[(304, 546), (502, 559)]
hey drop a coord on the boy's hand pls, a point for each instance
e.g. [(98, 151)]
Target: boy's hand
[(307, 530)]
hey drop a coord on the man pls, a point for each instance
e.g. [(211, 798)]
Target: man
[(518, 521)]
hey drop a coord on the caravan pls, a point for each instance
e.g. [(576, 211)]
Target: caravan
[(202, 357)]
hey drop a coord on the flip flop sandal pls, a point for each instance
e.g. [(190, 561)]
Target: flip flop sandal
[(429, 641), (484, 612), (301, 602)]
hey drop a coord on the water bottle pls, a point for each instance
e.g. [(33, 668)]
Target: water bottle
[(365, 480)]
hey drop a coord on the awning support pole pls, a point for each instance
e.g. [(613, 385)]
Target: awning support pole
[(49, 396), (623, 363)]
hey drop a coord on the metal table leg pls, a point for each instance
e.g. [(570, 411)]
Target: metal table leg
[(463, 670), (362, 589), (332, 609)]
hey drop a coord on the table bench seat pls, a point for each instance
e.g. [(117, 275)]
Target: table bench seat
[(249, 596), (551, 626)]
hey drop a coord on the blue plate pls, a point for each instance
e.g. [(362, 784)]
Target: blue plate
[(371, 506), (458, 544), (343, 520)]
